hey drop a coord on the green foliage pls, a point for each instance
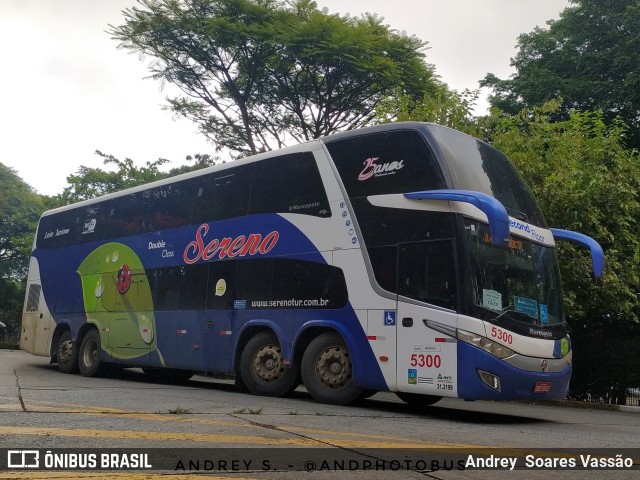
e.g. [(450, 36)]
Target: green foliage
[(20, 208), (606, 364), (93, 182), (446, 107), (11, 298), (258, 73), (584, 180), (589, 57)]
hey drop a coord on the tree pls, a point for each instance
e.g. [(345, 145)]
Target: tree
[(589, 57), (93, 182), (448, 108), (258, 73), (11, 298), (20, 208), (585, 180)]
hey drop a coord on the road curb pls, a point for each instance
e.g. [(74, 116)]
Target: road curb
[(586, 405)]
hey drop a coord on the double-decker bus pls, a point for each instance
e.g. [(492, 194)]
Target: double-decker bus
[(408, 257)]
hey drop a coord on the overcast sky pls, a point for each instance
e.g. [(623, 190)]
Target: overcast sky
[(66, 90)]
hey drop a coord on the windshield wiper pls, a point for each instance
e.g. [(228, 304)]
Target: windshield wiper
[(517, 214), (520, 315)]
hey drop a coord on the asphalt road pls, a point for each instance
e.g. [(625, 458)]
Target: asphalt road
[(41, 408)]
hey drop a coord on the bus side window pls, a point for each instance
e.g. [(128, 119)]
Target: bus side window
[(254, 280), (426, 272), (339, 295), (302, 281), (179, 288), (33, 299), (126, 216), (289, 184), (384, 263), (169, 206), (223, 195)]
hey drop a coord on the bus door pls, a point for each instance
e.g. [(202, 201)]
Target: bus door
[(131, 329), (223, 303), (426, 318)]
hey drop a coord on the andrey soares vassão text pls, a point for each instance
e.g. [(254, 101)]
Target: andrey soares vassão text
[(544, 462)]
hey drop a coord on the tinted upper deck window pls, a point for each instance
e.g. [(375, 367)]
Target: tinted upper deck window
[(153, 209), (224, 194), (475, 165), (398, 161), (289, 184)]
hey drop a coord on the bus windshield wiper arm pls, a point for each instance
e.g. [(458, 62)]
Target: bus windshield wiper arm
[(517, 214), (506, 310)]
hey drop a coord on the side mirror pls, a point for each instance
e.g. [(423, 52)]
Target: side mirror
[(597, 254), (492, 208)]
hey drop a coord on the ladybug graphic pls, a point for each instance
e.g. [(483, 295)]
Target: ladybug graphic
[(124, 279)]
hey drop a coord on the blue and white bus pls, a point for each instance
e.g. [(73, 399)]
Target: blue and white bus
[(409, 258)]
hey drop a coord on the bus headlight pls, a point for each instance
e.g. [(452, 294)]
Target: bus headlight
[(485, 344)]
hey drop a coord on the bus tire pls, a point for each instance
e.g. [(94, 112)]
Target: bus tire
[(418, 401), (327, 372), (262, 369), (67, 353), (89, 360)]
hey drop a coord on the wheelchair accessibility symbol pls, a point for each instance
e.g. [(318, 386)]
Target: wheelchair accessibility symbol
[(389, 318)]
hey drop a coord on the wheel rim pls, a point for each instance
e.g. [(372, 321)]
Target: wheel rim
[(90, 353), (333, 367), (267, 363), (65, 352)]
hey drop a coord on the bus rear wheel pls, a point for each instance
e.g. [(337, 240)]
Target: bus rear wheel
[(89, 355), (262, 368), (67, 353), (327, 372)]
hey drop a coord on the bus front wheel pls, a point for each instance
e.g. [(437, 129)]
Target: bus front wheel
[(262, 368), (67, 353), (327, 372), (89, 355)]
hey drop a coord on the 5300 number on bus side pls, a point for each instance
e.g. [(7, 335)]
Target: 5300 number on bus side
[(425, 360), (502, 335)]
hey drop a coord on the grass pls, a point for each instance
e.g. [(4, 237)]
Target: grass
[(178, 411), (248, 411)]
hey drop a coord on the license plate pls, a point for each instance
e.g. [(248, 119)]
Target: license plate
[(542, 387)]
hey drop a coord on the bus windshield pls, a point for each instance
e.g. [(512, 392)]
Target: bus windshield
[(520, 283)]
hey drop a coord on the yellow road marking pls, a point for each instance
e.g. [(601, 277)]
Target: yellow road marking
[(110, 476), (11, 407), (164, 436), (219, 438), (97, 410)]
